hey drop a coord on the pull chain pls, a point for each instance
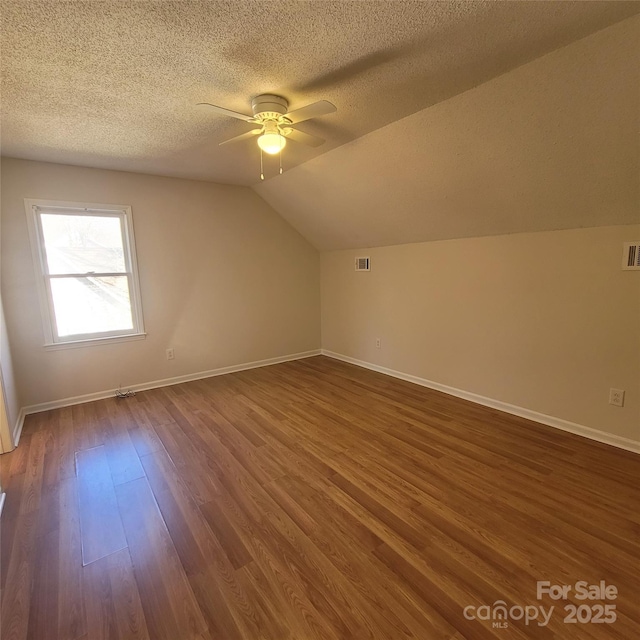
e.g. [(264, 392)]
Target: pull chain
[(280, 155)]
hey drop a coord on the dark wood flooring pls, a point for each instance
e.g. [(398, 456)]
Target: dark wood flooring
[(309, 500)]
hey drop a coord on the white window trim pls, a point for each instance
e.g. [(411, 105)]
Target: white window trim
[(51, 341)]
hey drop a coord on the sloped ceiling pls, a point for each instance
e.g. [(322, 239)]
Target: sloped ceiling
[(114, 84), (550, 145)]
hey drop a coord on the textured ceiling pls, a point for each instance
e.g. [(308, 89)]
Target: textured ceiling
[(114, 84), (550, 145)]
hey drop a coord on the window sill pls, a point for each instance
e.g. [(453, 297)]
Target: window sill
[(92, 342)]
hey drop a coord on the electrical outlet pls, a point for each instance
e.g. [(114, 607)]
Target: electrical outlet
[(616, 397), (378, 343), (170, 354)]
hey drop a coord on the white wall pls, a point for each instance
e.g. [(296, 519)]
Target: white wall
[(6, 431), (9, 399), (225, 281), (545, 321)]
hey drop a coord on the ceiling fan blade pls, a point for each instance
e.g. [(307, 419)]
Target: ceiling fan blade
[(227, 112), (320, 108), (304, 138), (243, 136)]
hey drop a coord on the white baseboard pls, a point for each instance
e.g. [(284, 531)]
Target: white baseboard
[(166, 382), (17, 429), (551, 421)]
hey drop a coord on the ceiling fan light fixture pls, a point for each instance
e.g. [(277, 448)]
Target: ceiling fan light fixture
[(271, 115), (272, 143)]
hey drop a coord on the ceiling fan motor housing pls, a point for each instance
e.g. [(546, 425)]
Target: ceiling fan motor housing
[(269, 107)]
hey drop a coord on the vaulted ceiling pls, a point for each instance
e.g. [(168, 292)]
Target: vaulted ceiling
[(551, 145), (115, 85)]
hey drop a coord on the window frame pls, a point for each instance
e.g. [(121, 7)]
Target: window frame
[(34, 208)]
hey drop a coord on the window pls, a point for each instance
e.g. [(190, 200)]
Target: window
[(88, 280)]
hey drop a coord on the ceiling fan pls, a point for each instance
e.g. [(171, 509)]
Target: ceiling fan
[(276, 123)]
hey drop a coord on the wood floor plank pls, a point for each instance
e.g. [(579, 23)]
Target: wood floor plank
[(43, 618), (227, 537), (339, 540), (203, 556), (189, 534), (214, 608), (341, 605), (87, 433), (170, 608), (114, 610), (122, 456), (301, 612), (329, 511), (72, 622), (16, 594), (208, 569), (52, 444), (141, 432), (303, 501), (34, 473), (395, 523), (446, 604), (100, 524), (9, 524), (268, 603), (17, 461), (190, 461)]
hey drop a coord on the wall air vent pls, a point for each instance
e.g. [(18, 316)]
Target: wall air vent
[(631, 256), (363, 264)]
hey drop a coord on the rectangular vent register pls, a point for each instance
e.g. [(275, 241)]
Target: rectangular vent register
[(631, 256), (363, 264)]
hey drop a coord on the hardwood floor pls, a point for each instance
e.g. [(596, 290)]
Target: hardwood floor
[(306, 500)]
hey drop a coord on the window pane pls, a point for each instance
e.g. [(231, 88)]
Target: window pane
[(83, 243), (91, 305)]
